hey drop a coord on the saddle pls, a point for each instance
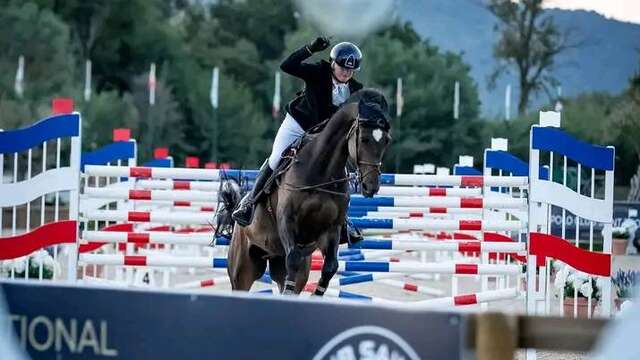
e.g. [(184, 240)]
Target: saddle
[(289, 156)]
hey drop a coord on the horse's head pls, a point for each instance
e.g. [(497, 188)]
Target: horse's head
[(369, 138)]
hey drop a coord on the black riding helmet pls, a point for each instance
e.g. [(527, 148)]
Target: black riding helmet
[(346, 55)]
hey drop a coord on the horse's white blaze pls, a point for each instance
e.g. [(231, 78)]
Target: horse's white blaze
[(377, 134)]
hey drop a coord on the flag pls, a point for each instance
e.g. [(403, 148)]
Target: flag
[(559, 106), (214, 88), (19, 84), (399, 98), (152, 84), (275, 109), (87, 81), (456, 101), (507, 103)]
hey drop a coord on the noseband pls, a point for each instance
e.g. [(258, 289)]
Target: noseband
[(353, 141)]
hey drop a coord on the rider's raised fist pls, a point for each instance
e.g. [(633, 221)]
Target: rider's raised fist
[(318, 44)]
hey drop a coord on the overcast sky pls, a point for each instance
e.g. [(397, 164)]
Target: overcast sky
[(624, 10)]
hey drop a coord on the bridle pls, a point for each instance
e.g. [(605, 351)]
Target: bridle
[(353, 141)]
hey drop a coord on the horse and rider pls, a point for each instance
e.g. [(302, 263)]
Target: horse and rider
[(331, 121)]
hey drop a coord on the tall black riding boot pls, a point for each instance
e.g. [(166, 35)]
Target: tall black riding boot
[(243, 214)]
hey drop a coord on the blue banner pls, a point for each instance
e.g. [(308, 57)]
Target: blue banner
[(65, 322)]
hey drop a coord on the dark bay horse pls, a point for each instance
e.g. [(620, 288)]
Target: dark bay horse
[(307, 210)]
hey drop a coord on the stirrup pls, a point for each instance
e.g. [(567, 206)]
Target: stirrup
[(243, 214)]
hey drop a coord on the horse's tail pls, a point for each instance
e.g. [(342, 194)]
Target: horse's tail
[(229, 196)]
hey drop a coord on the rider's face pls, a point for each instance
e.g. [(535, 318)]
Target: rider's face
[(342, 74)]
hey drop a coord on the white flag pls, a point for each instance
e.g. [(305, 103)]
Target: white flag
[(213, 95), (152, 84), (275, 109), (19, 84), (87, 81), (507, 103), (399, 98), (456, 101)]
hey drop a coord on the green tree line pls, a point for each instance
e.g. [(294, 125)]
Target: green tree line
[(247, 40)]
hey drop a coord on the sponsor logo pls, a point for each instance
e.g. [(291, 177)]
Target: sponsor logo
[(367, 343)]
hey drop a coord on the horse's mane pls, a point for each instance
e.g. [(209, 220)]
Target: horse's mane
[(373, 107), (369, 95)]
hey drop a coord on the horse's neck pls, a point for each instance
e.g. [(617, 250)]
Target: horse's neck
[(327, 154)]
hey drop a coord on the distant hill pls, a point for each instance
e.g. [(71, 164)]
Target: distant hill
[(611, 54)]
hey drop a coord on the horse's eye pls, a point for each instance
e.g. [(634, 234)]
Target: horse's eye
[(365, 140)]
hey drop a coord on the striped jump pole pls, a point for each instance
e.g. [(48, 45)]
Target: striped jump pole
[(178, 185), (428, 268), (440, 202), (410, 210), (206, 262), (125, 194), (453, 301), (438, 224), (182, 206), (463, 300), (411, 287), (166, 173), (178, 218), (385, 179), (436, 245), (153, 237), (155, 260), (358, 279), (222, 280), (422, 191), (382, 278), (399, 214), (453, 180)]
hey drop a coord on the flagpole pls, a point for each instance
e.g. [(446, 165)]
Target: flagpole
[(87, 81), (275, 107), (507, 103), (19, 82), (456, 101), (399, 105), (152, 101), (215, 78)]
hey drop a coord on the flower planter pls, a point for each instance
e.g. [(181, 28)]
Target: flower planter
[(619, 246), (583, 306), (619, 301)]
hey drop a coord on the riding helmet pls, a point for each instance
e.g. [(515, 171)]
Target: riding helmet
[(346, 55)]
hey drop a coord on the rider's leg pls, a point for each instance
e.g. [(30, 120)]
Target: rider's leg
[(243, 214), (288, 132)]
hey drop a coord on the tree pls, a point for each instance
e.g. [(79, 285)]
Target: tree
[(43, 39), (529, 42), (106, 111), (161, 125), (121, 37), (626, 120), (426, 131)]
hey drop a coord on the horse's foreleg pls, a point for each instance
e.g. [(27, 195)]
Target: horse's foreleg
[(330, 265), (293, 262)]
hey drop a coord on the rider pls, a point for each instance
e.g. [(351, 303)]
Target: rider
[(327, 86)]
